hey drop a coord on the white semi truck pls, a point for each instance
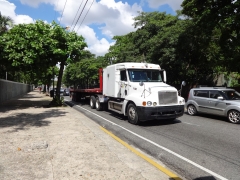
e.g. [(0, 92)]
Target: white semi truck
[(136, 90)]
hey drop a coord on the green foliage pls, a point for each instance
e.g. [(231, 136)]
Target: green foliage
[(155, 41), (195, 48), (5, 22), (123, 50), (223, 16), (233, 79), (84, 73), (37, 47), (26, 48), (189, 49)]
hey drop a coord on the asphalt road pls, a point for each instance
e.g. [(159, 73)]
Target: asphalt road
[(196, 147)]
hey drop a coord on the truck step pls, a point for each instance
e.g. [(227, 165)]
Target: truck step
[(115, 106)]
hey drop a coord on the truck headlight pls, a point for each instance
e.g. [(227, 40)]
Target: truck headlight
[(182, 101), (149, 103)]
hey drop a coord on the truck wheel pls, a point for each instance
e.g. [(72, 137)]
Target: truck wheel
[(73, 97), (99, 106), (132, 114), (92, 102)]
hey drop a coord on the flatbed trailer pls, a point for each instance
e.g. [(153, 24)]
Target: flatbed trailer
[(78, 94)]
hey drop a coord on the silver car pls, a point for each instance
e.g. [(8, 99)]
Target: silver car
[(218, 101)]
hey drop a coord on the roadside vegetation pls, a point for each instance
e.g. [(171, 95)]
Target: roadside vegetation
[(197, 45)]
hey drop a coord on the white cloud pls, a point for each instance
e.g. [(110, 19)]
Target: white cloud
[(111, 17), (35, 3), (95, 46), (100, 47), (115, 18), (123, 24), (8, 9), (23, 19), (174, 4)]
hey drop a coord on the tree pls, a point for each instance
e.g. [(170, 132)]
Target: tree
[(68, 48), (173, 43), (5, 22), (123, 50), (36, 47), (222, 16), (84, 73)]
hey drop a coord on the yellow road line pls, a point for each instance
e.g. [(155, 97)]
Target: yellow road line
[(161, 168)]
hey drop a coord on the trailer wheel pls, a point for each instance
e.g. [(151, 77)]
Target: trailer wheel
[(132, 114), (92, 102), (99, 106), (73, 96)]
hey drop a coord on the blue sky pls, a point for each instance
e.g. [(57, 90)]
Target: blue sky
[(104, 18)]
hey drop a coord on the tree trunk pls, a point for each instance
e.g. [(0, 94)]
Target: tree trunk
[(59, 82)]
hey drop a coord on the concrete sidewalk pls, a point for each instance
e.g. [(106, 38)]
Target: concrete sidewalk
[(60, 143)]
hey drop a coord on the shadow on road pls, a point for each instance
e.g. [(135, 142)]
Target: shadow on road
[(205, 178)]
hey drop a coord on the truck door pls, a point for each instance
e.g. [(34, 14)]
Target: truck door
[(123, 84)]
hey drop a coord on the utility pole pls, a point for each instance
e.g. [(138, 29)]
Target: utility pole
[(53, 82)]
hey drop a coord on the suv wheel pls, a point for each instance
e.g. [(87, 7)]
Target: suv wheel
[(234, 116), (191, 109)]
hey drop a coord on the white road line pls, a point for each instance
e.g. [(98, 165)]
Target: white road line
[(191, 124), (168, 150)]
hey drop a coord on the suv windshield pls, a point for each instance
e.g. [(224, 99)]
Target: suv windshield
[(137, 75), (231, 95)]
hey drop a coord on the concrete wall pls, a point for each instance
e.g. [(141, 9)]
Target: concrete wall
[(10, 89)]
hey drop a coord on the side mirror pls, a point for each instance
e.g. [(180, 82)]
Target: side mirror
[(141, 83), (183, 83), (180, 91), (220, 98), (164, 76)]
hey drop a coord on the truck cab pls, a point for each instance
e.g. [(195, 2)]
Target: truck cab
[(139, 91)]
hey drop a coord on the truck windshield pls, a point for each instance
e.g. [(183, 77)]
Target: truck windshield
[(146, 75)]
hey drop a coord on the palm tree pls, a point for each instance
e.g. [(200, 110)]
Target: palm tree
[(5, 22)]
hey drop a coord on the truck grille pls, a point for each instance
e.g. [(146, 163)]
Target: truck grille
[(167, 97)]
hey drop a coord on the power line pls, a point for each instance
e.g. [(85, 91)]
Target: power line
[(79, 15), (76, 13), (63, 11), (85, 15)]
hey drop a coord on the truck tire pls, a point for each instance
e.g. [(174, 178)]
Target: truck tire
[(92, 102), (99, 106), (132, 114), (73, 97)]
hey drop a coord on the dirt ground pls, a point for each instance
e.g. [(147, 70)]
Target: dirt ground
[(61, 143)]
